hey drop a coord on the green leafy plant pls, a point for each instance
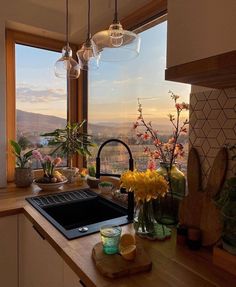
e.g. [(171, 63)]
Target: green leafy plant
[(226, 202), (22, 158), (70, 141), (92, 171)]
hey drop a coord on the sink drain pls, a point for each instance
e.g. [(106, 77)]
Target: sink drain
[(83, 229)]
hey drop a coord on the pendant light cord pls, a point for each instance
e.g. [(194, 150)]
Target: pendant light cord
[(67, 24), (89, 28), (115, 21)]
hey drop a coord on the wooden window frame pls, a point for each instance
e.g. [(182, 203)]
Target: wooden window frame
[(145, 17), (76, 89)]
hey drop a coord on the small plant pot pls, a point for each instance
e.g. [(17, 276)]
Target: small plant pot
[(93, 182), (23, 177), (105, 187), (70, 173)]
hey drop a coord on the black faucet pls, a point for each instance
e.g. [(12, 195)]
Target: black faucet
[(131, 167)]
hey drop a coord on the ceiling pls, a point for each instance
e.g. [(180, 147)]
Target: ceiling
[(101, 16)]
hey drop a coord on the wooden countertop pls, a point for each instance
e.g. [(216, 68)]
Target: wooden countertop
[(172, 265)]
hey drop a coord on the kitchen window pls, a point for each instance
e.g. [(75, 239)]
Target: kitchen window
[(113, 93), (37, 101)]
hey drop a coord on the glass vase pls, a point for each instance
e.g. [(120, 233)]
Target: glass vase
[(145, 224), (167, 208)]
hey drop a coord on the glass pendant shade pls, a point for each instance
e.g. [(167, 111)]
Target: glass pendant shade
[(122, 47), (66, 66), (88, 56), (117, 44)]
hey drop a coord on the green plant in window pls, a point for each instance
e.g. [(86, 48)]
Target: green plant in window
[(22, 158), (70, 141)]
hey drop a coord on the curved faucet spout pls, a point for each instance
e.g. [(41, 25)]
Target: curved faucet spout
[(98, 162), (131, 167)]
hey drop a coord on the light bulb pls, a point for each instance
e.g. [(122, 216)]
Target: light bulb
[(66, 64), (88, 53), (116, 34), (116, 42)]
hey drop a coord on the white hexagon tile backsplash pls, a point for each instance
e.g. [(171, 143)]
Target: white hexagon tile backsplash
[(212, 125)]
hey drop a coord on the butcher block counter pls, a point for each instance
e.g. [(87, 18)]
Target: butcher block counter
[(172, 265)]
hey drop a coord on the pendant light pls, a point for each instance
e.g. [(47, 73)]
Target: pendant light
[(66, 66), (88, 55), (117, 44)]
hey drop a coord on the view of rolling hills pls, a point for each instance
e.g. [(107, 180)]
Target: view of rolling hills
[(114, 159)]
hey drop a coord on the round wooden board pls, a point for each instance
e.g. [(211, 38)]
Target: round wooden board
[(114, 266)]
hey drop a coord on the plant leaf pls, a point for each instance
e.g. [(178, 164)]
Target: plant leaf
[(16, 147)]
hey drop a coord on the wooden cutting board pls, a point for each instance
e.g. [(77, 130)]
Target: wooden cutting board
[(114, 266), (211, 224), (191, 206)]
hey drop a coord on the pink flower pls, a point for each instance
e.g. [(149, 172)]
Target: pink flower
[(178, 106), (145, 136), (47, 158), (57, 161), (157, 154), (37, 155), (171, 140), (151, 164), (157, 142), (146, 149)]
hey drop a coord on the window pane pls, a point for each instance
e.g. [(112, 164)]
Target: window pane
[(41, 98), (113, 101)]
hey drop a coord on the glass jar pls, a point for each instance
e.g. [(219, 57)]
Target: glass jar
[(175, 177), (167, 208), (145, 224)]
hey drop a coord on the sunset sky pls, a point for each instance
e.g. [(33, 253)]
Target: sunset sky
[(113, 88)]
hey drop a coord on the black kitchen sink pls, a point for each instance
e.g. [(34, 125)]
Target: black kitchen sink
[(79, 213)]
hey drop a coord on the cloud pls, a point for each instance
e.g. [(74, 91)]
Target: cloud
[(127, 81), (30, 94)]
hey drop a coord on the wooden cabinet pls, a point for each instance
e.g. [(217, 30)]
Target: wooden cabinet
[(39, 263), (70, 278), (8, 251)]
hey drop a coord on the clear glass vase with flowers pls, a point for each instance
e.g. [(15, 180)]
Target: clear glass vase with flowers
[(166, 153), (146, 186)]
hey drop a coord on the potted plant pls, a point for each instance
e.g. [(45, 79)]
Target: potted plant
[(70, 141), (52, 179), (226, 202), (23, 171), (92, 181)]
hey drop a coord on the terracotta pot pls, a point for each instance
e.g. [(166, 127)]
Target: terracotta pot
[(23, 177)]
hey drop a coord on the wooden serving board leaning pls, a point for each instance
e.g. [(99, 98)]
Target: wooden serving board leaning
[(198, 209), (114, 266)]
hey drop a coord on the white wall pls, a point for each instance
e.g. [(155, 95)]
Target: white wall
[(200, 28)]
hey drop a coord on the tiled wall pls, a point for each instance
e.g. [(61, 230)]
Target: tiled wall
[(212, 124)]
